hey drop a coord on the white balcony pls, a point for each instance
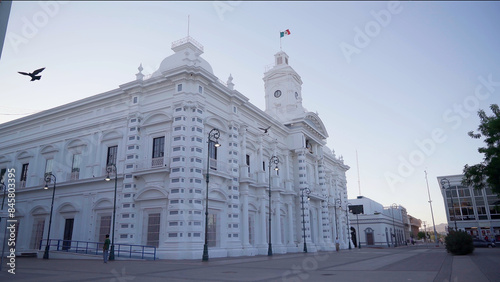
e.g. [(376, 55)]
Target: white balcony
[(157, 162), (72, 176), (152, 163)]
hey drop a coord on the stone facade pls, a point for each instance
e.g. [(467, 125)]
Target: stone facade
[(155, 131)]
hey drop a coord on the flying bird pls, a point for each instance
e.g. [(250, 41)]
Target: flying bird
[(265, 129), (33, 75)]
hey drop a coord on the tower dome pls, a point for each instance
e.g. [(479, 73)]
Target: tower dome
[(187, 53)]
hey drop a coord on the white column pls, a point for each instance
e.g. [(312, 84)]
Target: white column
[(290, 224), (263, 221), (321, 240), (277, 218), (244, 215)]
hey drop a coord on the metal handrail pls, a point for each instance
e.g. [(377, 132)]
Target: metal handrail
[(86, 247)]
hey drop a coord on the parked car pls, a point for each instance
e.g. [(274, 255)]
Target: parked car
[(480, 243)]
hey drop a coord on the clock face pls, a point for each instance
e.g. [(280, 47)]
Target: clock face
[(296, 95), (277, 93)]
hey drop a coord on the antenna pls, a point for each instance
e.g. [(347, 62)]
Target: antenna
[(357, 164)]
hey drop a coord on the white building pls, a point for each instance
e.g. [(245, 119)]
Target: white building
[(474, 211), (156, 131), (372, 224)]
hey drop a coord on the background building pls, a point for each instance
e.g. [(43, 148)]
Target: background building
[(372, 224), (155, 134), (415, 224), (469, 209)]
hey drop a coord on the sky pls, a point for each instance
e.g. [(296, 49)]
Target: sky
[(397, 84)]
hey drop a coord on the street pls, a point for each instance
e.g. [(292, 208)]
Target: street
[(415, 263)]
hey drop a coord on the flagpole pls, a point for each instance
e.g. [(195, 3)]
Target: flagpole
[(279, 32)]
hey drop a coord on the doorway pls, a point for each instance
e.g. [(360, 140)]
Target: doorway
[(68, 233), (369, 239), (354, 237)]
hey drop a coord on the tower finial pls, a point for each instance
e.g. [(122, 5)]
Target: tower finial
[(139, 75), (229, 82), (188, 25)]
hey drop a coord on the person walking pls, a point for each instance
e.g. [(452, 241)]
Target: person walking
[(337, 244), (105, 249)]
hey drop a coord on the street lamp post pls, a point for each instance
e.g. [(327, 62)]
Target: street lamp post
[(303, 215), (48, 178), (213, 137), (276, 161), (109, 169), (443, 181), (348, 228), (394, 206)]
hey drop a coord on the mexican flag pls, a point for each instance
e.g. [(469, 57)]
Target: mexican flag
[(283, 33)]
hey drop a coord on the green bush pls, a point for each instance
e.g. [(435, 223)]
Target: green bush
[(459, 243)]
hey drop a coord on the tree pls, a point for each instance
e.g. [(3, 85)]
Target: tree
[(486, 172), (459, 243), (420, 235)]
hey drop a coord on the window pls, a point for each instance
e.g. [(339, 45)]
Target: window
[(24, 174), (212, 153), (200, 89), (309, 146), (37, 233), (153, 236), (179, 87), (104, 227), (158, 147), (112, 153), (48, 165), (212, 230), (75, 167), (251, 228)]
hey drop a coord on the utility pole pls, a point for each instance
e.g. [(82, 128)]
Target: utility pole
[(432, 213)]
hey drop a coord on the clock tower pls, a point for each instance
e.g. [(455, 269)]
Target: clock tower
[(283, 88)]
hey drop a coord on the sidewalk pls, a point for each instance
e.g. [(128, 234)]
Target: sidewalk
[(367, 264)]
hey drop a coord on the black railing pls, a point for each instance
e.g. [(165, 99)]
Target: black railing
[(95, 248)]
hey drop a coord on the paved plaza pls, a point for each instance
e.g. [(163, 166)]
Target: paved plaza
[(422, 263)]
